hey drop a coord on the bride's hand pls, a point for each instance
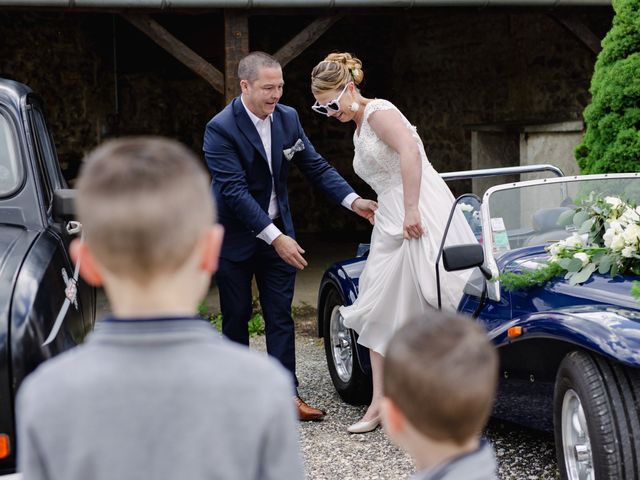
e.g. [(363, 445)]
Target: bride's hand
[(412, 226), (365, 208)]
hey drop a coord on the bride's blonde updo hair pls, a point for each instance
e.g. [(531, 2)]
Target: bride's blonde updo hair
[(335, 71)]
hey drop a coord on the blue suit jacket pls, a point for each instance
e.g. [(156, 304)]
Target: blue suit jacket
[(242, 180)]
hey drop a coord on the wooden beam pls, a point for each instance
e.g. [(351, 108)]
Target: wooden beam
[(236, 46), (177, 49), (305, 38), (581, 31)]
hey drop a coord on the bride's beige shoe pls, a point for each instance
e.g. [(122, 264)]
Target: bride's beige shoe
[(364, 427)]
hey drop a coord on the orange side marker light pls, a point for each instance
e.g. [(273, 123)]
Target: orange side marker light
[(5, 445), (514, 332)]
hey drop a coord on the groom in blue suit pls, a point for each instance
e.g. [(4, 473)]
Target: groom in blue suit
[(249, 148)]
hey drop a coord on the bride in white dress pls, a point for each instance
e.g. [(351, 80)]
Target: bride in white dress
[(398, 281)]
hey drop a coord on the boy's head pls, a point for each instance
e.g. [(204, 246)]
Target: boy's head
[(144, 204), (440, 376)]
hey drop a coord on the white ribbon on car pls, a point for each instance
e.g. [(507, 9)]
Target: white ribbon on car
[(70, 291)]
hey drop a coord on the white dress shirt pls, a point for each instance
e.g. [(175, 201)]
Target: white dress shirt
[(271, 232)]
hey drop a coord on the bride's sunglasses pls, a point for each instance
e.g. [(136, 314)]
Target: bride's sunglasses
[(332, 107)]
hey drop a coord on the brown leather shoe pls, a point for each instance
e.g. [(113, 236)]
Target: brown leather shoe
[(307, 413)]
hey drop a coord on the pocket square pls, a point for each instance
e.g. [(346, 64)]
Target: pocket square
[(297, 147)]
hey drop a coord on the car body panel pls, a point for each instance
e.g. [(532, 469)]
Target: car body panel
[(34, 265)]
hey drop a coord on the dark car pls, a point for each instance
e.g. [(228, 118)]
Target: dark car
[(44, 308), (569, 348)]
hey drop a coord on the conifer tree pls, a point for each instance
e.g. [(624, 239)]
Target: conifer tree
[(612, 139)]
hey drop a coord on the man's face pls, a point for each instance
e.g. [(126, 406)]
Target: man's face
[(262, 95)]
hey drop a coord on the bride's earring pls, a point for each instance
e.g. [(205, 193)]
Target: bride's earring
[(354, 107)]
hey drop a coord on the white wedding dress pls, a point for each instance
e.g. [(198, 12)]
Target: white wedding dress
[(398, 282)]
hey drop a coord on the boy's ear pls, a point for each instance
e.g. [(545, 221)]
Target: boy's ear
[(394, 419), (89, 269), (212, 245)]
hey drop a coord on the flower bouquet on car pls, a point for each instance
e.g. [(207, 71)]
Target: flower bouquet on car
[(605, 238)]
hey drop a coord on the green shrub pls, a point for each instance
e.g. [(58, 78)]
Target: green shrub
[(612, 139), (216, 321), (256, 323)]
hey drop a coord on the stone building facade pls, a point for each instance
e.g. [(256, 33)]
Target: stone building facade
[(445, 68)]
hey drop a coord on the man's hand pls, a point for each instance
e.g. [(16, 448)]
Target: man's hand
[(289, 251), (365, 208)]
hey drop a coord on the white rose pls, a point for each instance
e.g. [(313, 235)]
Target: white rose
[(555, 249), (629, 216), (608, 236), (617, 243), (628, 252), (583, 257), (632, 233), (615, 226), (573, 241), (613, 201)]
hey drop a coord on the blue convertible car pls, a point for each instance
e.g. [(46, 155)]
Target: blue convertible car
[(569, 350)]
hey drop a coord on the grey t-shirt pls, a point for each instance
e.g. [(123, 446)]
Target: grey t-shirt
[(479, 464), (158, 399)]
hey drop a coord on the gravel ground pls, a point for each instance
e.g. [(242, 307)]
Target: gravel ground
[(332, 453)]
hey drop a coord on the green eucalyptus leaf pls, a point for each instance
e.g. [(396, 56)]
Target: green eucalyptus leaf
[(575, 265), (566, 218), (586, 226), (583, 275), (614, 269), (605, 264), (580, 217), (564, 263)]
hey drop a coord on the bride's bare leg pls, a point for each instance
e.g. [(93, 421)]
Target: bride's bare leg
[(377, 362)]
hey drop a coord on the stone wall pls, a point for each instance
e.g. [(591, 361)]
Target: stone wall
[(68, 59), (445, 68), (459, 68)]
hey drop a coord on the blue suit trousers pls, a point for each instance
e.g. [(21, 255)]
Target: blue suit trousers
[(275, 280)]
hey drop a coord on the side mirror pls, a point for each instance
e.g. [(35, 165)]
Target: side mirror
[(64, 207), (462, 257)]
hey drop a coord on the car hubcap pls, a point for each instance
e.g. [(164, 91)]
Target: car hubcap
[(575, 439), (341, 346)]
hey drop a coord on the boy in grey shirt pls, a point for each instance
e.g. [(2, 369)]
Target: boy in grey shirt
[(155, 392), (440, 377)]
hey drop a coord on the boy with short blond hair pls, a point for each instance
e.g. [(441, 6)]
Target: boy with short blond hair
[(440, 378), (154, 392)]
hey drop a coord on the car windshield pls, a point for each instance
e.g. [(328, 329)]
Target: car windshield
[(522, 216), (10, 166)]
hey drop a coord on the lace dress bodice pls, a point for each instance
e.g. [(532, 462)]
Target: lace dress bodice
[(374, 161)]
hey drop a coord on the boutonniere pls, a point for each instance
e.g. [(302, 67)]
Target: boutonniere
[(297, 147)]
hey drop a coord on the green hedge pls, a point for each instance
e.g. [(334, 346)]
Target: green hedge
[(612, 139)]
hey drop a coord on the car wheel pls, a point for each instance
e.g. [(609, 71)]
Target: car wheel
[(596, 419), (353, 385)]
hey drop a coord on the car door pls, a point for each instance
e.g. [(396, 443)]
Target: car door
[(52, 176)]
